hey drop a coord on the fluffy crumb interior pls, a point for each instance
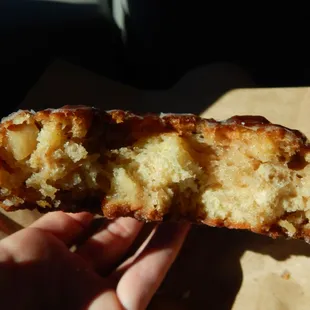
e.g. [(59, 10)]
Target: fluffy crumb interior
[(248, 181), (243, 182)]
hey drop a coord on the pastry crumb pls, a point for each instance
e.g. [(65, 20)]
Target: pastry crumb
[(286, 275)]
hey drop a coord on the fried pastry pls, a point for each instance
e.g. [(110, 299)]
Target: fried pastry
[(243, 173)]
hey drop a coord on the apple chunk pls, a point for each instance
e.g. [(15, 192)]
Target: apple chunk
[(22, 140)]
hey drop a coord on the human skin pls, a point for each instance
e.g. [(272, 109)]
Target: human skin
[(39, 271)]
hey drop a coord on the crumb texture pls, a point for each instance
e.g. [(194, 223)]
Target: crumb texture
[(241, 173)]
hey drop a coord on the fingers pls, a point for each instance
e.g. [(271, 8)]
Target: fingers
[(140, 282), (104, 249), (65, 226)]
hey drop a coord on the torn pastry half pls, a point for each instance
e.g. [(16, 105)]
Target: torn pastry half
[(243, 173)]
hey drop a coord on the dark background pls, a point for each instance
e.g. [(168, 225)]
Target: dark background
[(165, 39)]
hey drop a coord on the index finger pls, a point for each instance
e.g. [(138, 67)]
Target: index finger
[(64, 226)]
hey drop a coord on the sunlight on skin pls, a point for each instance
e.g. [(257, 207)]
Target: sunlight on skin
[(37, 262)]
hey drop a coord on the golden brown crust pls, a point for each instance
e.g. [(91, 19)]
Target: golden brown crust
[(115, 129), (125, 126)]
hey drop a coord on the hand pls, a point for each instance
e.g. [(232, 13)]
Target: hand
[(39, 271)]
